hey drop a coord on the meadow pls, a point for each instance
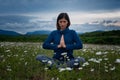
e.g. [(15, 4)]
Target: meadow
[(17, 62)]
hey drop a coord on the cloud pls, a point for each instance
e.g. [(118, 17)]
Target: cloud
[(15, 18), (113, 23), (92, 27), (23, 24), (102, 25), (27, 6), (84, 17)]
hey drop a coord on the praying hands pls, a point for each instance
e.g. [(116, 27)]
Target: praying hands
[(62, 43)]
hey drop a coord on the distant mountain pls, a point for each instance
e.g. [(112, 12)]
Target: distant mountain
[(113, 33), (98, 31), (10, 33), (40, 32)]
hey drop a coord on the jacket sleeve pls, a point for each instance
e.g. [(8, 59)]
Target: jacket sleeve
[(48, 43), (77, 43)]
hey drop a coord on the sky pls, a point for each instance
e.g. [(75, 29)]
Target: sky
[(25, 16)]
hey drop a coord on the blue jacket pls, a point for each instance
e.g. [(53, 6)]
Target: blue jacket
[(71, 39)]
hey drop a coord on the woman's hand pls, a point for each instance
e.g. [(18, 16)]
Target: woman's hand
[(62, 43)]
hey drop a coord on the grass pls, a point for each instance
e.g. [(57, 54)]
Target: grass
[(17, 62)]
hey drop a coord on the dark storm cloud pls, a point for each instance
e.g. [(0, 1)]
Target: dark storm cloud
[(23, 24), (14, 19), (23, 6)]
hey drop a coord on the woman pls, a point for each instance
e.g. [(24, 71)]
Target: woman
[(63, 41)]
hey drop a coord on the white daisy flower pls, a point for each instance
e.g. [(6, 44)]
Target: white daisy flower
[(61, 69), (80, 68), (117, 61), (76, 64), (92, 70), (99, 53), (68, 68), (64, 54), (44, 60), (49, 62), (113, 68)]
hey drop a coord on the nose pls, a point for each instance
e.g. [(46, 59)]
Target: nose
[(62, 23)]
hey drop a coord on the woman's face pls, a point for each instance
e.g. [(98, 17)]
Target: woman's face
[(63, 23)]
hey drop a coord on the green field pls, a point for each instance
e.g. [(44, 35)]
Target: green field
[(17, 62)]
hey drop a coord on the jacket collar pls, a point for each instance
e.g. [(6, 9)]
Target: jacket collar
[(64, 31)]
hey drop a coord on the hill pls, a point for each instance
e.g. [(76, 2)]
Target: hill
[(10, 33), (102, 37), (40, 32)]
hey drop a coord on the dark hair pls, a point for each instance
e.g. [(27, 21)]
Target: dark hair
[(60, 16)]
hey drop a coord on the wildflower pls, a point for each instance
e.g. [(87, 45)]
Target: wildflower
[(64, 53), (9, 69), (1, 56), (25, 51), (92, 59), (3, 60), (61, 69), (98, 53), (44, 60), (16, 55), (92, 70), (8, 55), (110, 64), (106, 59), (68, 68), (49, 62), (106, 70), (76, 60), (68, 58), (80, 68), (99, 59), (106, 66), (25, 63), (117, 61), (104, 55), (52, 78), (85, 64), (113, 68), (84, 50), (2, 45), (7, 51), (105, 52), (57, 78), (46, 68), (21, 59), (76, 64), (79, 79), (40, 47)]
